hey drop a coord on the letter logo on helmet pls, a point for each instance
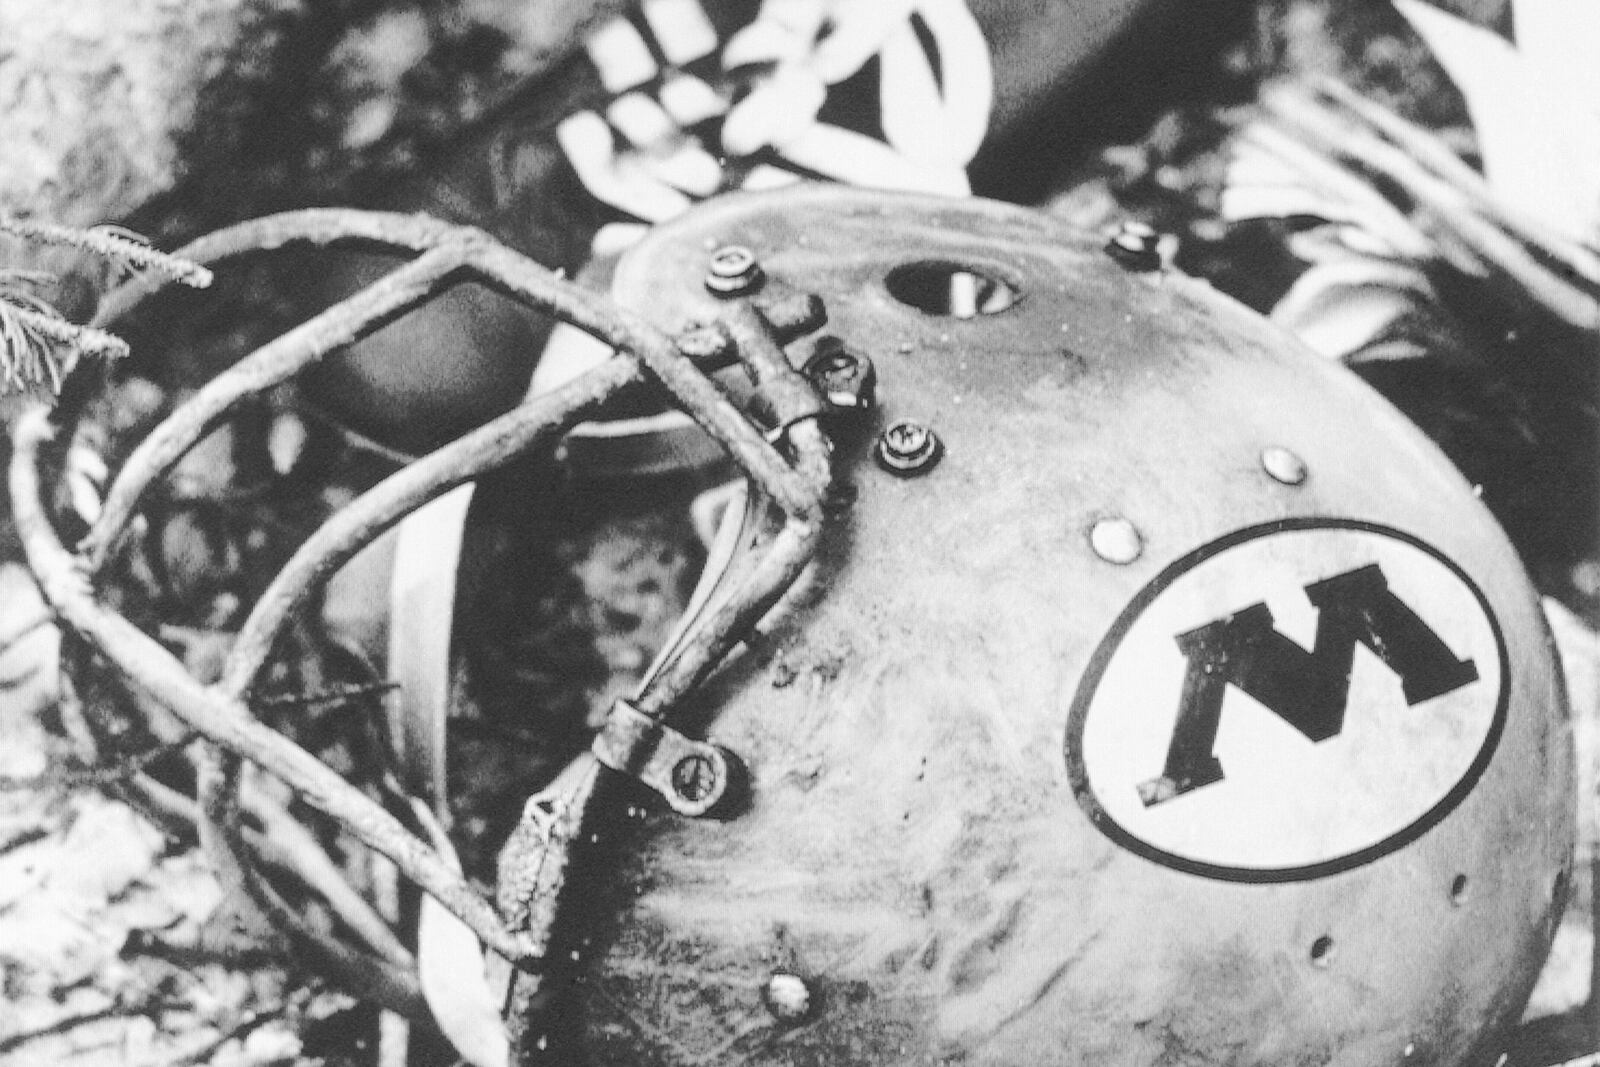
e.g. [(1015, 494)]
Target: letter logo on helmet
[(1292, 700)]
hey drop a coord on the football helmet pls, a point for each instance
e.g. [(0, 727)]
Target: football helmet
[(1160, 696), (1092, 674)]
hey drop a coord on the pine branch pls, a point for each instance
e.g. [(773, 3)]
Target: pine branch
[(35, 341), (113, 243)]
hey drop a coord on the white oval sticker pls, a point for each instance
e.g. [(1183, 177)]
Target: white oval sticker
[(1292, 700)]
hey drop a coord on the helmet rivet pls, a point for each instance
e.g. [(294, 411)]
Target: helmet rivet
[(1458, 890), (1136, 246), (694, 778), (787, 997), (1283, 465), (908, 448), (1322, 951), (1116, 540), (734, 271), (1410, 1049)]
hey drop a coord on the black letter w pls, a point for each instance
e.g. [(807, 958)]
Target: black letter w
[(1307, 690)]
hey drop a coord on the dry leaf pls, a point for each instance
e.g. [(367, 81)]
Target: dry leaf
[(1340, 306), (1536, 105), (1272, 175)]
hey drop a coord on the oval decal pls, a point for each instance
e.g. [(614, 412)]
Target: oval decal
[(1293, 700)]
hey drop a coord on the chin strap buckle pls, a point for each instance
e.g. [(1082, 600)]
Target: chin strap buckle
[(696, 778)]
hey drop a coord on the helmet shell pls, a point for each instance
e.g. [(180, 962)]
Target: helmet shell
[(988, 824)]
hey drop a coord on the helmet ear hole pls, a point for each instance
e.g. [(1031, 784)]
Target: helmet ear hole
[(956, 290), (1322, 951), (1459, 890)]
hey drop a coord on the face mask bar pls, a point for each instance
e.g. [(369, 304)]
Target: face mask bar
[(788, 468)]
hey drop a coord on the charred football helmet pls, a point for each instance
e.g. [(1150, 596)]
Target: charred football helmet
[(1091, 675)]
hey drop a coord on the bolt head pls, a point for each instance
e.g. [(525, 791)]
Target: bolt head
[(1136, 246), (1116, 540), (846, 380), (1283, 465), (787, 997), (732, 261), (908, 448), (734, 271), (694, 778)]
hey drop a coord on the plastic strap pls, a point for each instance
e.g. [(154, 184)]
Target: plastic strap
[(422, 597)]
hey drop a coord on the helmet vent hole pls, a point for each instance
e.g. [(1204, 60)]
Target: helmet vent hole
[(1322, 951), (954, 290), (1458, 890)]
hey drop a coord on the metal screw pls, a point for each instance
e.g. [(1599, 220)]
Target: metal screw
[(694, 778), (908, 448), (1116, 540), (734, 271), (1136, 246), (787, 997), (847, 381), (1283, 465)]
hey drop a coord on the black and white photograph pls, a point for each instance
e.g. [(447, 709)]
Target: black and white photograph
[(799, 533)]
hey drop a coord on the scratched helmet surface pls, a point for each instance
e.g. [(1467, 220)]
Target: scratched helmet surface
[(1190, 709)]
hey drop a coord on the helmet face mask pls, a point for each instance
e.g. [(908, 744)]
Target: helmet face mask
[(1111, 680)]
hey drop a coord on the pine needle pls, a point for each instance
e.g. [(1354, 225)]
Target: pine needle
[(35, 341), (111, 242)]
